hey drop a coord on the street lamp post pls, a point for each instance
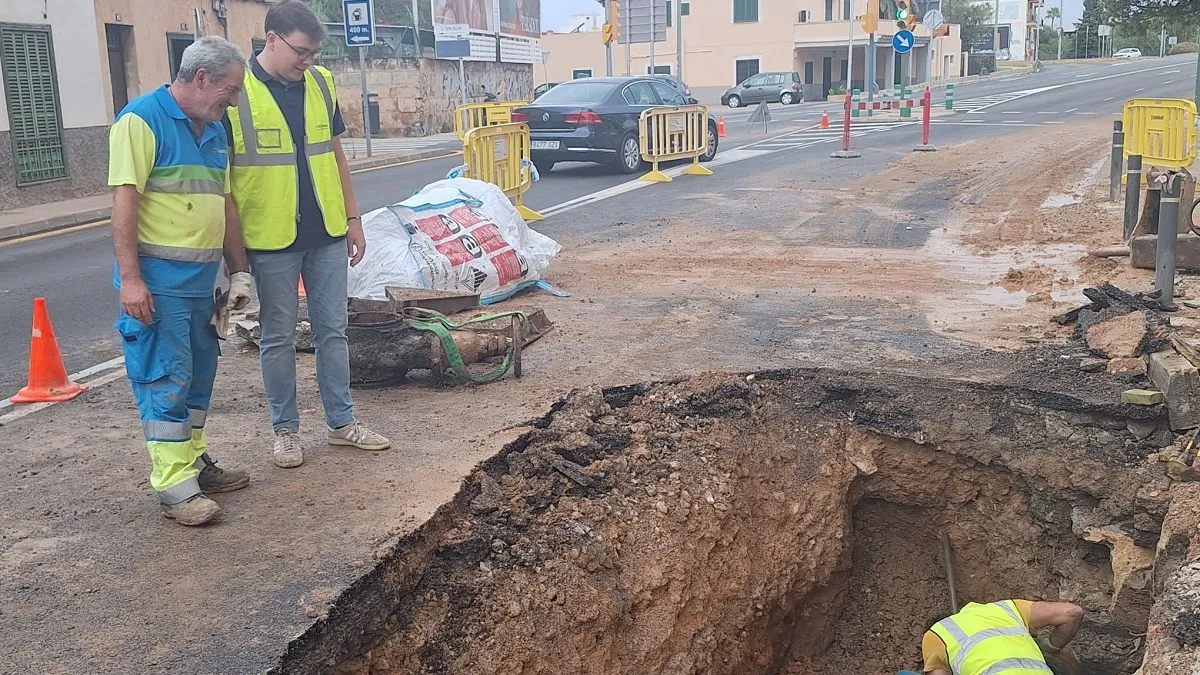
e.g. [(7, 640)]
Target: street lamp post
[(1060, 27)]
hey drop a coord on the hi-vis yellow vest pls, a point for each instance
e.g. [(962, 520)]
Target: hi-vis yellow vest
[(263, 173), (990, 639)]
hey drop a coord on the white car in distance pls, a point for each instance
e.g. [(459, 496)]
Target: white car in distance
[(1128, 53)]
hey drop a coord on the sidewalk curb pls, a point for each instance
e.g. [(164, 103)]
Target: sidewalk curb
[(56, 223), (398, 157), (17, 231)]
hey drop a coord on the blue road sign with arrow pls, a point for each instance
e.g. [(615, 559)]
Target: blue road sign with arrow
[(359, 21), (903, 41)]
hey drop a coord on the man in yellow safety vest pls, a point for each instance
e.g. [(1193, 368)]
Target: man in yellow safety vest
[(291, 192), (997, 638)]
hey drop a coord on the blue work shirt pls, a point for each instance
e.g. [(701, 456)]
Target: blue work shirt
[(182, 179), (289, 96)]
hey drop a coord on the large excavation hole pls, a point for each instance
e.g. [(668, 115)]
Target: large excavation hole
[(778, 524)]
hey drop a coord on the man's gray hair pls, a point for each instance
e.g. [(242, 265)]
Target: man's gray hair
[(214, 54)]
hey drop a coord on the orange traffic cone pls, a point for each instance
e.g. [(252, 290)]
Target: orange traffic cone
[(48, 379), (720, 126), (825, 120)]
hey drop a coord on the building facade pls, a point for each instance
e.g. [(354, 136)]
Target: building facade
[(69, 66), (143, 40), (54, 129), (1017, 21), (726, 41)]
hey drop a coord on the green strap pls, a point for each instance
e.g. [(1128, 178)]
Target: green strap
[(440, 325)]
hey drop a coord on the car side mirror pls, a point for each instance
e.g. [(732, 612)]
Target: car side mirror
[(691, 101)]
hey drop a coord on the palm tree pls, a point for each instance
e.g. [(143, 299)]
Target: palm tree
[(1052, 14)]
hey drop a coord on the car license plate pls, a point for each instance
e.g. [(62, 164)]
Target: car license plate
[(544, 145)]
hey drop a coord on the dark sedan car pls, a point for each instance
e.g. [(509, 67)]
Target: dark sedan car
[(596, 120)]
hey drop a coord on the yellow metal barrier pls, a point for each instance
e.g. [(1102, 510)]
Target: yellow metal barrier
[(500, 155), (475, 115), (671, 133), (1161, 130)]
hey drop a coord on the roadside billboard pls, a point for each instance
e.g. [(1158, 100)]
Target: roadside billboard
[(521, 18), (474, 13)]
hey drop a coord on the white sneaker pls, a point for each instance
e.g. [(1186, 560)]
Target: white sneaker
[(358, 436), (287, 454)]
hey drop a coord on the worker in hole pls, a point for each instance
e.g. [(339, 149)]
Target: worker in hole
[(998, 638)]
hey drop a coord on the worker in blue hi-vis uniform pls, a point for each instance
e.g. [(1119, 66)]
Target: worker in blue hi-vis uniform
[(168, 168)]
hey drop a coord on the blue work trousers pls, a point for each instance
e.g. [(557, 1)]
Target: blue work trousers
[(171, 365)]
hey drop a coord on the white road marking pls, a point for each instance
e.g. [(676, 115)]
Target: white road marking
[(1139, 90), (1011, 112), (1072, 110), (34, 407), (81, 375), (1047, 113), (1054, 122), (1087, 74), (1108, 99)]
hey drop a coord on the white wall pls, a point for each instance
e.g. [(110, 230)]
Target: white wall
[(77, 55)]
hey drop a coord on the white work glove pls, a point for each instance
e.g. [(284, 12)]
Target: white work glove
[(239, 291), (220, 317)]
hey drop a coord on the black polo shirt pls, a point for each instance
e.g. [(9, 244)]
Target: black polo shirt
[(310, 231)]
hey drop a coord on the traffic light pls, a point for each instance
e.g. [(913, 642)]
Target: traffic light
[(871, 17), (904, 15), (612, 29), (914, 15)]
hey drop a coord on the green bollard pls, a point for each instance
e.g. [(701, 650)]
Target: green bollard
[(854, 103), (949, 97), (905, 111)]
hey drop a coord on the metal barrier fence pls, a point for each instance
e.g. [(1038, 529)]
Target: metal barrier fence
[(1161, 130), (671, 133), (475, 115), (500, 155)]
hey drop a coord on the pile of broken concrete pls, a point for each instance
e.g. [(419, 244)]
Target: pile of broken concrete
[(1131, 337)]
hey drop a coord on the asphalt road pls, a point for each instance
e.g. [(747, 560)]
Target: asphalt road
[(73, 271)]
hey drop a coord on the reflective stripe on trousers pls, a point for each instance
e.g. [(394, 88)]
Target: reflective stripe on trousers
[(171, 365)]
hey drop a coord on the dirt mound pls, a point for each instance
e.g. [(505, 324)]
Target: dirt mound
[(773, 523)]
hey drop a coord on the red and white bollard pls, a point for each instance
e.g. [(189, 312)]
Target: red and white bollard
[(926, 111), (846, 152)]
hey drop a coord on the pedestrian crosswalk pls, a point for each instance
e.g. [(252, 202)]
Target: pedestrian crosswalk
[(809, 137), (972, 105)]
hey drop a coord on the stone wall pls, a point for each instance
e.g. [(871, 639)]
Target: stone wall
[(87, 170), (417, 98)]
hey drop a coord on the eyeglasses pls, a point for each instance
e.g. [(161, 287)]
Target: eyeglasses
[(304, 54)]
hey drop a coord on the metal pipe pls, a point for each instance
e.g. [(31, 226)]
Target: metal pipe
[(948, 561), (1133, 193), (362, 68), (1168, 231), (679, 40), (1118, 155)]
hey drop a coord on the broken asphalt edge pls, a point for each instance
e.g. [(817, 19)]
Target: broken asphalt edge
[(62, 222)]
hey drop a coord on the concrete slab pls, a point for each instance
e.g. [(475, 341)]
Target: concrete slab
[(1179, 380), (1144, 249)]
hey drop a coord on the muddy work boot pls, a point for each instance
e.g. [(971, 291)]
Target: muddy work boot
[(287, 453), (214, 479), (358, 436), (197, 510)]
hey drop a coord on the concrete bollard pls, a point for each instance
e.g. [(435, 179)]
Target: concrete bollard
[(1133, 193), (950, 97), (1168, 231), (1118, 155)]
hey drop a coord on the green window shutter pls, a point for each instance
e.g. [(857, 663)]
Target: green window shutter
[(745, 11), (31, 90)]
